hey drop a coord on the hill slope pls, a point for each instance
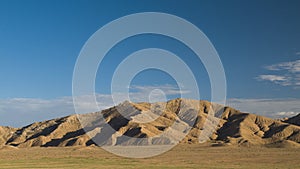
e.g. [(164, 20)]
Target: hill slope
[(178, 120)]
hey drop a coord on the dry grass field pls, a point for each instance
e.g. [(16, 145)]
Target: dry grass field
[(181, 156)]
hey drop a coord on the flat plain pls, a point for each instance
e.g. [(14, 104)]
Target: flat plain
[(181, 156)]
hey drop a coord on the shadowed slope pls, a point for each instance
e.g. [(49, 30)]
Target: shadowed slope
[(294, 120)]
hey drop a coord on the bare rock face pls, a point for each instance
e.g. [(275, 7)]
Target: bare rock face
[(172, 122), (5, 134), (250, 129)]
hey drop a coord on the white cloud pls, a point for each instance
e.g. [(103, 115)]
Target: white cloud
[(274, 108), (287, 114), (287, 74), (272, 78), (22, 111), (149, 93), (167, 89), (293, 67), (281, 80)]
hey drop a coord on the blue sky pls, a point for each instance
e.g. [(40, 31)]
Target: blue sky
[(258, 43)]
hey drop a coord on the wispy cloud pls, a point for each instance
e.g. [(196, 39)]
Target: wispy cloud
[(282, 80), (167, 89), (285, 74), (22, 111), (287, 114), (274, 108), (293, 67)]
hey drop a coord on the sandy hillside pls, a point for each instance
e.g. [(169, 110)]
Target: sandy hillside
[(157, 124)]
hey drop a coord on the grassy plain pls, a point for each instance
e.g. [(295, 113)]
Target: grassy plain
[(181, 156)]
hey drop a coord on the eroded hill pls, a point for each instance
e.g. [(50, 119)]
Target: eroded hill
[(179, 120)]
